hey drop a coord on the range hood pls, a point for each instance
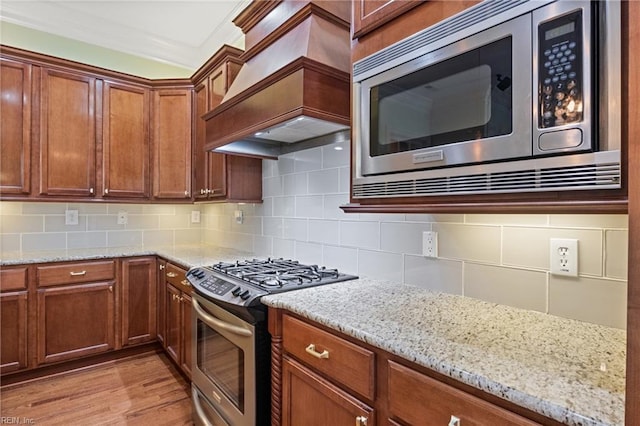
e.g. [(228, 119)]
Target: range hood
[(293, 90)]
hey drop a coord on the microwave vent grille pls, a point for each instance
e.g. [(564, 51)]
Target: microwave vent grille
[(582, 177), (448, 27)]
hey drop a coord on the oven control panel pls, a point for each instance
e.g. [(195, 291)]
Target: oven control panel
[(226, 289)]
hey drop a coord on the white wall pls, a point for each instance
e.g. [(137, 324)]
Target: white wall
[(499, 258)]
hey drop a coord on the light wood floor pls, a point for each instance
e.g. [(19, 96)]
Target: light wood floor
[(141, 390)]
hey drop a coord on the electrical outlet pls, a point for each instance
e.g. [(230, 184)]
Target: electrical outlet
[(564, 256), (71, 217), (239, 215), (123, 218), (430, 244), (195, 216)]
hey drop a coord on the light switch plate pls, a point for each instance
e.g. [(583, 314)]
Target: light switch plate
[(123, 218), (195, 216)]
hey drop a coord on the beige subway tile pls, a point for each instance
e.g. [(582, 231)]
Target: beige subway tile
[(124, 238), (103, 223), (56, 223), (529, 247), (17, 224), (173, 222), (507, 219), (616, 253), (520, 288), (433, 274), (9, 242), (82, 240), (129, 208), (44, 208), (89, 208), (590, 220), (10, 207), (143, 221), (157, 237), (441, 218), (162, 209), (591, 300), (188, 236), (468, 242), (44, 241)]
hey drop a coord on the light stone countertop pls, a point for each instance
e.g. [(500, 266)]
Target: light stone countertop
[(185, 255), (550, 365)]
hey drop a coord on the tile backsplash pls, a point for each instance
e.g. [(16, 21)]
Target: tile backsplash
[(498, 258)]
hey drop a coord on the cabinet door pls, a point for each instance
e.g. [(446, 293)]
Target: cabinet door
[(172, 143), (200, 156), (371, 14), (125, 156), (173, 337), (185, 299), (308, 399), (75, 321), (138, 300), (13, 331), (67, 134), (161, 291), (15, 132)]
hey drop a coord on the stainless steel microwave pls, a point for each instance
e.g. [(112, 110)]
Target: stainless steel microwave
[(507, 96)]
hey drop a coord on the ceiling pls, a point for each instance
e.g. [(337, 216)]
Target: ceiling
[(183, 33)]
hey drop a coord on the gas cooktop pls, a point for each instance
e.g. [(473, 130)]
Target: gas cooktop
[(244, 282)]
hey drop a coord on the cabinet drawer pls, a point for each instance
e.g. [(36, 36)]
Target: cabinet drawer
[(414, 397), (340, 360), (72, 273), (176, 276), (13, 279)]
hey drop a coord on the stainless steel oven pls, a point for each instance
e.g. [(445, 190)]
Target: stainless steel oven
[(227, 373), (509, 95), (231, 373)]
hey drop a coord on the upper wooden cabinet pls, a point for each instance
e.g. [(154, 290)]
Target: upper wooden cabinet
[(221, 177), (171, 143), (15, 132), (67, 133), (371, 14), (125, 141)]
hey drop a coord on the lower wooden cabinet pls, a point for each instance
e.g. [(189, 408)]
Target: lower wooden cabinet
[(139, 300), (414, 397), (177, 338), (13, 319), (310, 400), (322, 377), (75, 321)]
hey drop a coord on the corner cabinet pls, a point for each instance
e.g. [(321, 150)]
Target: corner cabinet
[(15, 133), (221, 177), (321, 377), (171, 143)]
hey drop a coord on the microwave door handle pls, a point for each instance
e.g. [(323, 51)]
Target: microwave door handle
[(214, 322)]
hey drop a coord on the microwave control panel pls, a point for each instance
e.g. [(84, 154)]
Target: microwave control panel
[(560, 51)]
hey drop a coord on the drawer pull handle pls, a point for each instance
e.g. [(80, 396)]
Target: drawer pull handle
[(185, 283), (455, 421), (78, 274), (172, 274), (311, 350), (361, 421)]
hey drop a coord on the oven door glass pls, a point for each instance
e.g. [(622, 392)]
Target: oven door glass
[(222, 362), (463, 98)]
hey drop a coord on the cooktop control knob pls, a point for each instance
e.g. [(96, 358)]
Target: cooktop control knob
[(236, 291), (245, 295)]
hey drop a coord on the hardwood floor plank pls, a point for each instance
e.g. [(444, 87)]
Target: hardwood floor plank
[(141, 390)]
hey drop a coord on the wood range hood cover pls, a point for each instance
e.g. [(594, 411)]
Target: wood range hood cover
[(293, 90)]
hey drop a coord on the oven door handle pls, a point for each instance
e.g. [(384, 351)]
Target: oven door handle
[(214, 322), (199, 411)]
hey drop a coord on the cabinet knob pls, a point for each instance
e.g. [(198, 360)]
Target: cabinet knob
[(186, 193), (161, 267), (455, 421), (311, 350), (106, 190), (90, 190), (110, 289), (361, 421)]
